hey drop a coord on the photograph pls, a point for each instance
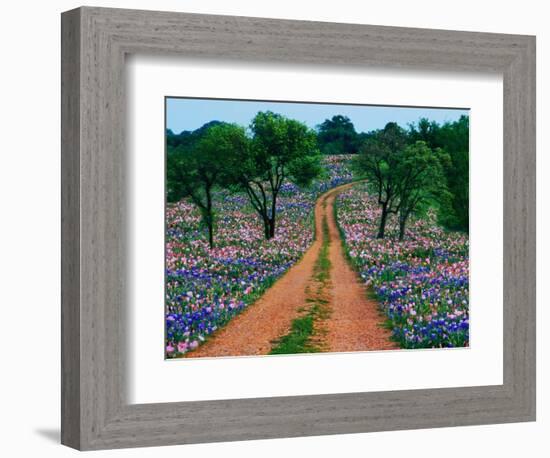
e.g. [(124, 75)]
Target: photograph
[(296, 227)]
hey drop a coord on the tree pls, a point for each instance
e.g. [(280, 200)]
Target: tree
[(453, 137), (420, 180), (281, 149), (187, 138), (337, 136), (379, 161), (195, 172)]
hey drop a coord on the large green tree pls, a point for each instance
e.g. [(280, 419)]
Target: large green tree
[(281, 150), (420, 180), (195, 170), (337, 136), (379, 162)]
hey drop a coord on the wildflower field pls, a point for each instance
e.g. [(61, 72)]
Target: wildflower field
[(206, 288), (290, 232), (420, 282)]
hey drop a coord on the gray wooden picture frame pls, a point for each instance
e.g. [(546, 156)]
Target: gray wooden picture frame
[(95, 412)]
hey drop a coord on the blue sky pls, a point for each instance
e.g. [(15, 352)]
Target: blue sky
[(190, 114)]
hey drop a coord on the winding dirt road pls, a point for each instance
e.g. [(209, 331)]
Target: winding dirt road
[(354, 322)]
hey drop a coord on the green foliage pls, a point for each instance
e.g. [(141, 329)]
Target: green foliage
[(428, 165), (420, 179), (303, 170), (280, 144), (187, 138), (280, 149), (405, 173), (195, 168), (452, 137), (380, 162), (296, 341), (337, 136)]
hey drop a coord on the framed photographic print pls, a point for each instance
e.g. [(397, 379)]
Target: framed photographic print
[(285, 228), (251, 184)]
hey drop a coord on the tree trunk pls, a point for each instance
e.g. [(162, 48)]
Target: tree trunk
[(272, 227), (402, 222), (273, 215), (383, 218), (209, 217), (210, 233), (403, 217), (267, 227)]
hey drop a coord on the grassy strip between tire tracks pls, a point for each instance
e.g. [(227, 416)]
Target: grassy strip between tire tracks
[(302, 329)]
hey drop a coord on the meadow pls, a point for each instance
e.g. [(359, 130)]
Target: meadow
[(383, 214), (421, 282), (206, 288)]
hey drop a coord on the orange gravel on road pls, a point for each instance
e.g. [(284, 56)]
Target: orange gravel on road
[(354, 323), (252, 331)]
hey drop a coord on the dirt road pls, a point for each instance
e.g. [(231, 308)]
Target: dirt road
[(354, 321)]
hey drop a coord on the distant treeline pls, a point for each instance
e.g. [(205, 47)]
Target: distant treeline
[(424, 165)]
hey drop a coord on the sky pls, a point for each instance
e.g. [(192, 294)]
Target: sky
[(190, 114)]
